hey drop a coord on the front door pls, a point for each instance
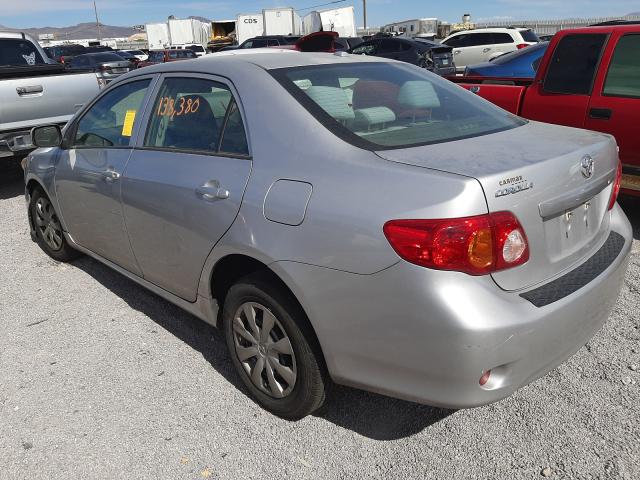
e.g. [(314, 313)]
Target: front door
[(88, 174), (184, 183), (615, 104)]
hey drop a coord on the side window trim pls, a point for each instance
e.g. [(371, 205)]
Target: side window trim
[(70, 134), (145, 122)]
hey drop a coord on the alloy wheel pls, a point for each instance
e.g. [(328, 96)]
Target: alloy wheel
[(48, 223), (264, 350)]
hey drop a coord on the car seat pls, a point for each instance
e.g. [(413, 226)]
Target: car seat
[(194, 130)]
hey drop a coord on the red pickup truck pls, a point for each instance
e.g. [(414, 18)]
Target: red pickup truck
[(589, 78)]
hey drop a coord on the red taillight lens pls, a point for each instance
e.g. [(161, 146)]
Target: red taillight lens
[(520, 46), (616, 186), (104, 68), (475, 245)]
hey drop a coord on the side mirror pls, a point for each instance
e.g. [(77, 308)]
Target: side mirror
[(46, 136)]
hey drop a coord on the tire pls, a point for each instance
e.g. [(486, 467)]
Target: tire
[(48, 228), (290, 386)]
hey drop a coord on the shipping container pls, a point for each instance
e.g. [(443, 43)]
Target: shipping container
[(189, 31), (418, 27), (340, 20), (249, 26)]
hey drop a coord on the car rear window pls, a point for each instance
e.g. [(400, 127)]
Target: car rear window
[(19, 53), (529, 36), (107, 57), (381, 106)]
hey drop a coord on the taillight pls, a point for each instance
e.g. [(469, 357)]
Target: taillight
[(520, 46), (615, 191), (476, 245), (104, 68)]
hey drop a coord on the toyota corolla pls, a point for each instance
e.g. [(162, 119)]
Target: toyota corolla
[(343, 219)]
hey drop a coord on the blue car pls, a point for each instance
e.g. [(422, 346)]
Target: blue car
[(519, 64)]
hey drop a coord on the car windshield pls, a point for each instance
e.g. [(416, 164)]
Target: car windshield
[(379, 106), (19, 52), (507, 57)]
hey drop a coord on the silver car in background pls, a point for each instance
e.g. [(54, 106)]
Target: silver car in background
[(342, 218)]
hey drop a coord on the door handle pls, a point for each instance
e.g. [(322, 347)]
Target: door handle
[(457, 52), (212, 191), (30, 90), (110, 175), (486, 50), (600, 113)]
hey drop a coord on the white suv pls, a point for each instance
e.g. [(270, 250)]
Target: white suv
[(484, 44)]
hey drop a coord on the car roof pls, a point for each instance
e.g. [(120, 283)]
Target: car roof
[(238, 61)]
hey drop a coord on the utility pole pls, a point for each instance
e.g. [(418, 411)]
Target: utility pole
[(95, 9), (364, 9)]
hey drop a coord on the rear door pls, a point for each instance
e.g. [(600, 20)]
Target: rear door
[(615, 103), (184, 183), (501, 42), (563, 96)]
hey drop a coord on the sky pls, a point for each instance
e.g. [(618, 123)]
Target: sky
[(58, 13)]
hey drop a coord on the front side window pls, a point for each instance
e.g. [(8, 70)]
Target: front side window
[(623, 78), (110, 121), (574, 64), (199, 115), (379, 106)]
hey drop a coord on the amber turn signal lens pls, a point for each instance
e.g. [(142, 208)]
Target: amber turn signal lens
[(481, 249)]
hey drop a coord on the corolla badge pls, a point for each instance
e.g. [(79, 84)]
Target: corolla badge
[(586, 166)]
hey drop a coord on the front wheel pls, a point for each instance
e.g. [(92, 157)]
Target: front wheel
[(271, 349), (48, 229)]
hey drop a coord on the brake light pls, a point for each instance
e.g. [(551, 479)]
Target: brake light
[(615, 191), (476, 245), (520, 46), (104, 68)]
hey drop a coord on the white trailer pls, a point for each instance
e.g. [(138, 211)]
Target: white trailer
[(418, 27), (158, 35), (341, 20), (249, 26), (189, 32), (281, 21)]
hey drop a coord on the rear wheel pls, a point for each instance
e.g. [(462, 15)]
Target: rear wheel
[(274, 356), (48, 228)]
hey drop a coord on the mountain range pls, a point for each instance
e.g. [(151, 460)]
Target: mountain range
[(76, 32)]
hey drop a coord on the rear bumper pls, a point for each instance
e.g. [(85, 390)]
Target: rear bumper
[(16, 143), (428, 336)]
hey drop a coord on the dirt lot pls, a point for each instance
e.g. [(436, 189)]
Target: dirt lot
[(102, 379)]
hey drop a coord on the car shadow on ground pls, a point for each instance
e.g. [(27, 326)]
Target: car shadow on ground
[(631, 206), (368, 414), (11, 182)]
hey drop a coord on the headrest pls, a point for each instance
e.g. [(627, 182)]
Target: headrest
[(418, 94)]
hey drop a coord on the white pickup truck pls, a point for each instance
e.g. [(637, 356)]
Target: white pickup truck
[(34, 91)]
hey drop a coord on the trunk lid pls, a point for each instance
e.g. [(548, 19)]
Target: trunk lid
[(536, 172)]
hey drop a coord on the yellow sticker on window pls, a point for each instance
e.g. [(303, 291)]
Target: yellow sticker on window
[(129, 118)]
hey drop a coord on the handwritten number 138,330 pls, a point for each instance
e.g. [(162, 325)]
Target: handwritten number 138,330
[(167, 106)]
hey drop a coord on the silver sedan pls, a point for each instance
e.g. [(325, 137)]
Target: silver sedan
[(342, 219)]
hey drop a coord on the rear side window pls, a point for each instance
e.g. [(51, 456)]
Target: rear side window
[(623, 78), (498, 38), (529, 36), (109, 122), (574, 64), (199, 115), (389, 46)]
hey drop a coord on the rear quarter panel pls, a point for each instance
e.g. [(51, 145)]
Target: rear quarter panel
[(508, 97)]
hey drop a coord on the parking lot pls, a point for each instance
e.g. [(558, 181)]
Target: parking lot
[(103, 379)]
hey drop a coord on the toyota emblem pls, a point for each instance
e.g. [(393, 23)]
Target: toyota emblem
[(586, 166)]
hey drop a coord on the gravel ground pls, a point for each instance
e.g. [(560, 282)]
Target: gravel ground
[(101, 379)]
